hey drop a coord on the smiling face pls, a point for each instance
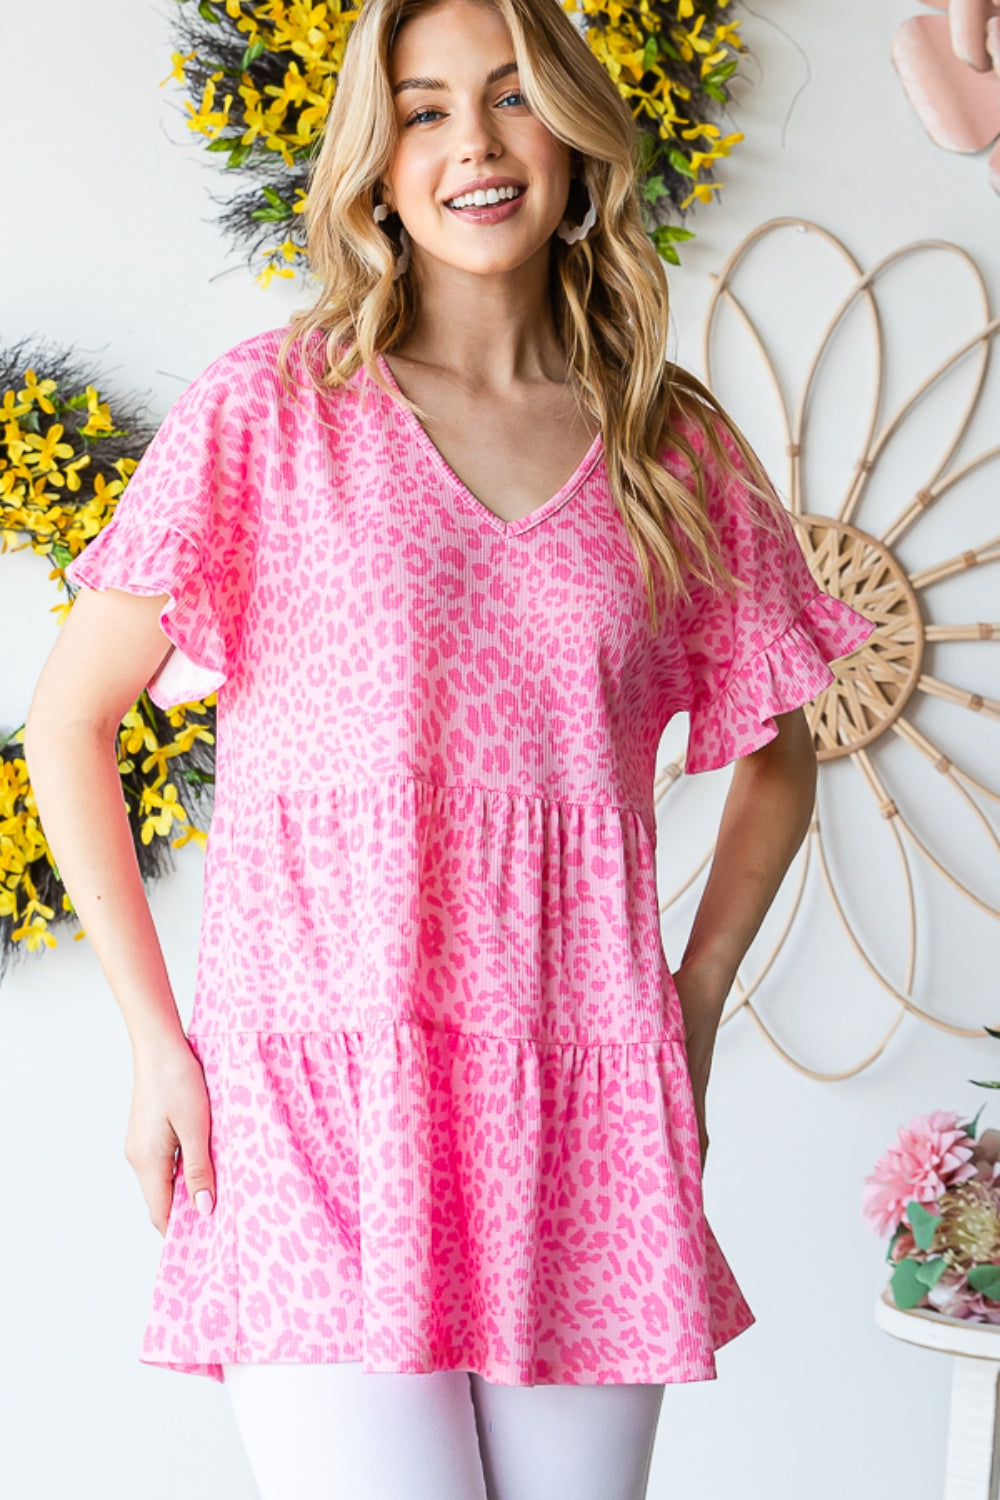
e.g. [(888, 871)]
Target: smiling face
[(462, 121)]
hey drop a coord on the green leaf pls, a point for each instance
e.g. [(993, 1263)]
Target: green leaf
[(992, 1031), (982, 1083), (647, 152), (238, 155), (923, 1223), (269, 215), (675, 232), (194, 777), (207, 12), (907, 1288), (221, 143), (931, 1271), (669, 49), (679, 162), (252, 53), (713, 92), (275, 199), (971, 1126), (986, 1279), (61, 554), (650, 53), (653, 189), (662, 237), (723, 71)]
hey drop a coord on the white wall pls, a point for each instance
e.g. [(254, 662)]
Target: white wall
[(109, 242)]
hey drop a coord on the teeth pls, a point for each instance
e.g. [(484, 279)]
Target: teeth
[(483, 196)]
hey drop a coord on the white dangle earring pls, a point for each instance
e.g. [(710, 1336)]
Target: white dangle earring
[(380, 212), (571, 234)]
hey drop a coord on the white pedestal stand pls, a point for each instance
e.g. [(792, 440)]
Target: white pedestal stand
[(972, 1464)]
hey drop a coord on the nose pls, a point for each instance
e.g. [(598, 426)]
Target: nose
[(476, 134)]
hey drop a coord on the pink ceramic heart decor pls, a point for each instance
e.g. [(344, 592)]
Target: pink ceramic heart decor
[(949, 66)]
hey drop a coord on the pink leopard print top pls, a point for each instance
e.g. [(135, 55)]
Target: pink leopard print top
[(452, 1120)]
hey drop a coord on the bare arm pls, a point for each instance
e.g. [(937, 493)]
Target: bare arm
[(108, 649), (764, 820)]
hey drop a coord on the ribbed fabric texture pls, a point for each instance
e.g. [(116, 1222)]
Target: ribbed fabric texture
[(452, 1119)]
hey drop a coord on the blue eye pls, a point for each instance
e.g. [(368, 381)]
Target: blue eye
[(420, 114)]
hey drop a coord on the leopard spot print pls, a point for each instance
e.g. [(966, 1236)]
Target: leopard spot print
[(452, 1122)]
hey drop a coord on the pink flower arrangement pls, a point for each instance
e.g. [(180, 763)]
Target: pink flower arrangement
[(929, 1154), (936, 1191)]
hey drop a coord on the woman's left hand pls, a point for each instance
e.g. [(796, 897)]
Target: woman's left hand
[(702, 995)]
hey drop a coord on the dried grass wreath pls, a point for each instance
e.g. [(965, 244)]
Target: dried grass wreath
[(264, 72), (64, 463)]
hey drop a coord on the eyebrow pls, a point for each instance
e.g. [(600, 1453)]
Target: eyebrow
[(438, 83)]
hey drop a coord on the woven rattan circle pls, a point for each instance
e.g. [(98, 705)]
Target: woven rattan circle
[(873, 684)]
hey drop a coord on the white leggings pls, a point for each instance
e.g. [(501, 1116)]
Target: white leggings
[(332, 1432)]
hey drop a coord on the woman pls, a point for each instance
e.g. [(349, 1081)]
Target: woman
[(453, 549)]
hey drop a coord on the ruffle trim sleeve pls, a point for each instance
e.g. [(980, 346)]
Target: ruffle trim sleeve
[(159, 558), (792, 671)]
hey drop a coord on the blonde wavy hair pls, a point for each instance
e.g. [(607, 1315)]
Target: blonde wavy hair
[(609, 290)]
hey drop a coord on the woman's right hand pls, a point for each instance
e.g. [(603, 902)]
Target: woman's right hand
[(170, 1108)]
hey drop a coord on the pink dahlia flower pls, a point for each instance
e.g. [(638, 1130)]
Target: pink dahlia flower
[(929, 1154)]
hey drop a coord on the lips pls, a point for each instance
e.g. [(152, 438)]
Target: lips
[(490, 213), (483, 184), (501, 195)]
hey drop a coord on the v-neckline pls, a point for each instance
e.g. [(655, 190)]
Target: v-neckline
[(497, 523)]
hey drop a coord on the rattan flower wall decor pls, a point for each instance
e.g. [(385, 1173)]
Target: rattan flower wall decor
[(261, 75), (876, 715), (66, 456)]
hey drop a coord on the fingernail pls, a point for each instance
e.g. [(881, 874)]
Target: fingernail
[(203, 1201)]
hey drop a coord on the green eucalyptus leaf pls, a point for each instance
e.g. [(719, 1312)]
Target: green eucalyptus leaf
[(986, 1279), (923, 1223), (931, 1271), (907, 1288)]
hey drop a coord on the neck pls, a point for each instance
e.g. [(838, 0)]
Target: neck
[(491, 332)]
